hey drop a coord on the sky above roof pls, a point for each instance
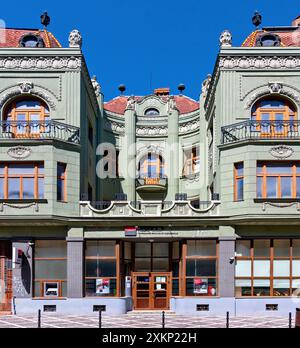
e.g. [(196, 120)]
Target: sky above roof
[(153, 43)]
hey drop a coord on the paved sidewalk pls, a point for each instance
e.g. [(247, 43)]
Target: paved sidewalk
[(140, 321)]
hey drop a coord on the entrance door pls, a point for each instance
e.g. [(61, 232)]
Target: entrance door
[(5, 277), (151, 291)]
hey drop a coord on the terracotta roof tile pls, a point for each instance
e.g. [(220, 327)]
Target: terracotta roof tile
[(184, 104), (289, 38), (9, 38)]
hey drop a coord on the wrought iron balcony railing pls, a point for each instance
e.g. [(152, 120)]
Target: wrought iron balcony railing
[(249, 130), (39, 130)]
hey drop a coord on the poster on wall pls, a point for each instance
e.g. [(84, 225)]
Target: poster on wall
[(102, 286), (201, 286)]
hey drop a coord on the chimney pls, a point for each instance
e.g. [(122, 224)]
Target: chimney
[(162, 91), (296, 22)]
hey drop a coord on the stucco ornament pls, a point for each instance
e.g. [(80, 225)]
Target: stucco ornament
[(130, 103), (275, 87), (26, 87), (172, 104), (206, 85), (226, 39), (75, 39), (19, 152), (96, 86), (281, 151)]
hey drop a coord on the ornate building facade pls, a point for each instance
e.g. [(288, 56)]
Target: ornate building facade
[(155, 202)]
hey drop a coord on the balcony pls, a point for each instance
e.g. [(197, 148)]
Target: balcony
[(260, 130), (39, 130), (152, 184), (138, 209)]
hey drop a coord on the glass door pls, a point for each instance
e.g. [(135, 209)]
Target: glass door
[(161, 290)]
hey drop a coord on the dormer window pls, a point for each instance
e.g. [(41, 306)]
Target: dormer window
[(268, 40), (32, 41), (152, 112)]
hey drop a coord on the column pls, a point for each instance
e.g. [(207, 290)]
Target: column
[(128, 155), (227, 262), (173, 151), (75, 267)]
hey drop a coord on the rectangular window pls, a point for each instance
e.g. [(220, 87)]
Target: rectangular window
[(91, 134), (278, 180), (239, 181), (191, 161), (21, 180), (101, 268), (267, 267), (50, 268), (61, 182), (201, 268)]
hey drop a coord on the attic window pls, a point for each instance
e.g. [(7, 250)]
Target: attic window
[(268, 40), (31, 41), (151, 112)]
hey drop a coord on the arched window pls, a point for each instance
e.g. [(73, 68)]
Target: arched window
[(31, 41), (274, 116), (26, 117), (268, 40), (151, 112), (151, 166)]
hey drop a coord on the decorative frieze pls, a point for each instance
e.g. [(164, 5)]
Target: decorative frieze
[(259, 62), (40, 63)]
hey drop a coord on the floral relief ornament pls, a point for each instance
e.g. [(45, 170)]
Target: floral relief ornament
[(19, 152), (281, 151)]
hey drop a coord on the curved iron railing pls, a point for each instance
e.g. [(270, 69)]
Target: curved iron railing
[(260, 130), (39, 130)]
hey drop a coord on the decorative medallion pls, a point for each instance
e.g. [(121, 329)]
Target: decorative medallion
[(281, 151), (19, 152), (275, 87)]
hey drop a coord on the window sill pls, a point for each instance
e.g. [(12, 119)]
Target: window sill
[(23, 201), (49, 298), (276, 200)]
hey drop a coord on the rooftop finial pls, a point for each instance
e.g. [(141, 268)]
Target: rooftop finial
[(257, 19), (122, 88), (45, 19)]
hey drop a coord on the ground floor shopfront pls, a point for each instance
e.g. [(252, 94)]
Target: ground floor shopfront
[(241, 273)]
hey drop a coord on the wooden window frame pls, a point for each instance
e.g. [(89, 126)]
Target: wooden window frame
[(264, 175), (42, 281), (289, 114), (116, 259), (236, 178), (184, 276), (36, 176), (13, 114), (148, 161), (271, 258), (63, 179)]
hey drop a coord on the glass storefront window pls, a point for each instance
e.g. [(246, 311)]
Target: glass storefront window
[(243, 268), (101, 276), (143, 250), (281, 268), (243, 248), (281, 248), (261, 248), (201, 268), (271, 269), (201, 248), (261, 287), (50, 268)]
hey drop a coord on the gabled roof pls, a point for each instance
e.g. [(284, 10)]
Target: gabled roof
[(184, 104), (10, 37)]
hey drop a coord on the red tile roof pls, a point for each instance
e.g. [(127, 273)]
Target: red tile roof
[(184, 104), (289, 38), (9, 38)]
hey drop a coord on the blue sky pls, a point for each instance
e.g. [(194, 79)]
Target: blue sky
[(146, 44)]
